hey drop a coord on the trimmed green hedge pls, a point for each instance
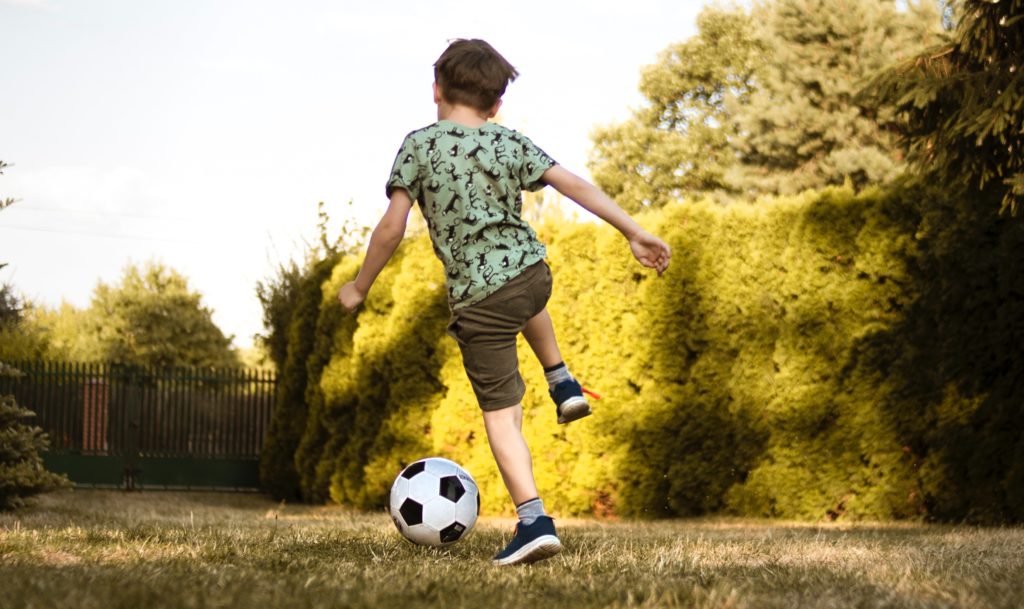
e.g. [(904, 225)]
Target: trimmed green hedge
[(828, 355)]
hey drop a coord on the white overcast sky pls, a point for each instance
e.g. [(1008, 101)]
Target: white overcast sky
[(202, 134)]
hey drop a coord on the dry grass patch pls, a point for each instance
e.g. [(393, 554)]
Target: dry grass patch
[(107, 549)]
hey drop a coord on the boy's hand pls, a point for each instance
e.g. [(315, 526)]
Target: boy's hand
[(650, 251), (350, 296)]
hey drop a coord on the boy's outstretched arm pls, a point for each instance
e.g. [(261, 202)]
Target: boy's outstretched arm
[(383, 243), (648, 249)]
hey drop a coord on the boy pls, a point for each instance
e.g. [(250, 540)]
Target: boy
[(468, 176)]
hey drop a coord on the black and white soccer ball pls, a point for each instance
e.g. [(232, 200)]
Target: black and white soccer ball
[(434, 502)]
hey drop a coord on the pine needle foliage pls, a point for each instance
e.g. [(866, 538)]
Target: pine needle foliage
[(963, 102), (21, 467)]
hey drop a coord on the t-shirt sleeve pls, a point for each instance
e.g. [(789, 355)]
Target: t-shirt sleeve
[(535, 163), (405, 172)]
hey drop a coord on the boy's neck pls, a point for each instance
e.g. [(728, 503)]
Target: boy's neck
[(466, 116)]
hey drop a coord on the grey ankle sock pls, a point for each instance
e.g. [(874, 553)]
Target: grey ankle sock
[(529, 511), (556, 374)]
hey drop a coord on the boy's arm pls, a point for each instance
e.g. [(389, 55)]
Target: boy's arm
[(383, 243), (648, 249)]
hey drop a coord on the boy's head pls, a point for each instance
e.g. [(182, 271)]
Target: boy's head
[(472, 73)]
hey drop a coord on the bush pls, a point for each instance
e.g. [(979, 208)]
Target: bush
[(957, 390), (21, 467), (802, 358), (291, 311)]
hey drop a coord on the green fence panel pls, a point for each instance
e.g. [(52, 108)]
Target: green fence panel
[(131, 426)]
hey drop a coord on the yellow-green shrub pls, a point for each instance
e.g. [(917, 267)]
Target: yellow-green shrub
[(779, 368)]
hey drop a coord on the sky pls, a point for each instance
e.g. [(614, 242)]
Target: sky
[(202, 134)]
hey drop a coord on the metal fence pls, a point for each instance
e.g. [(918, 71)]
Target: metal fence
[(131, 426)]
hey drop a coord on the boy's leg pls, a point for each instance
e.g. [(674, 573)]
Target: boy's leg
[(505, 435), (535, 538), (564, 389), (540, 334), (486, 333), (514, 462)]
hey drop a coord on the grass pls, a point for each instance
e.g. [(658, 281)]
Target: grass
[(108, 549)]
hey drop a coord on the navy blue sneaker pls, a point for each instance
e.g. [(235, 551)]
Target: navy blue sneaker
[(531, 542), (569, 401)]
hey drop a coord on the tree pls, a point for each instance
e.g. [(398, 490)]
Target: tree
[(21, 468), (16, 340), (680, 142), (10, 307), (152, 318), (5, 202), (66, 332), (297, 324), (803, 127), (963, 101), (19, 338), (763, 102)]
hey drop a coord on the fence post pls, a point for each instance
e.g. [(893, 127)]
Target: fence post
[(133, 407)]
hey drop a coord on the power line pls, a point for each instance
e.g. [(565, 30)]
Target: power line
[(92, 212), (97, 235)]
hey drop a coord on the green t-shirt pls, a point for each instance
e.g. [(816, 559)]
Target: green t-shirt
[(469, 183)]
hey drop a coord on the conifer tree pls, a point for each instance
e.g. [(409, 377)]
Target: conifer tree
[(21, 468), (764, 102), (963, 101), (802, 127)]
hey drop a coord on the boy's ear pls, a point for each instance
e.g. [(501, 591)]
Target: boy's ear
[(494, 110), (437, 94)]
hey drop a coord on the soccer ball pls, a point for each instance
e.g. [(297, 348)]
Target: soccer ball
[(434, 502)]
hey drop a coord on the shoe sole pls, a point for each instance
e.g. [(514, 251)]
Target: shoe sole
[(541, 548), (572, 410)]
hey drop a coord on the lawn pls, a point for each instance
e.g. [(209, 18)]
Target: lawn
[(107, 549)]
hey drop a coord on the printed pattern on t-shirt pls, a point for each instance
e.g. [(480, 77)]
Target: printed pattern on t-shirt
[(469, 184)]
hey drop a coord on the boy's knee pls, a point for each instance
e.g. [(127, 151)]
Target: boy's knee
[(506, 412), (510, 416)]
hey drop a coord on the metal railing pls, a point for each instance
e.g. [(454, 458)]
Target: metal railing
[(138, 413)]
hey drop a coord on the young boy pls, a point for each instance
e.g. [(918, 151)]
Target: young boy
[(468, 176)]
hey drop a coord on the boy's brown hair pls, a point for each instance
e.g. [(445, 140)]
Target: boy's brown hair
[(472, 73)]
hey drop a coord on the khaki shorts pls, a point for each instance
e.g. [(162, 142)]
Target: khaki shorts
[(487, 331)]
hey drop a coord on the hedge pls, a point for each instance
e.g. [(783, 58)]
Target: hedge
[(829, 355)]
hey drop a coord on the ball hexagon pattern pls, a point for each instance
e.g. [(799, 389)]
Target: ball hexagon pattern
[(434, 502)]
